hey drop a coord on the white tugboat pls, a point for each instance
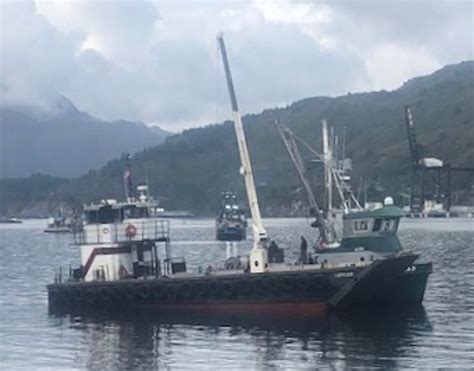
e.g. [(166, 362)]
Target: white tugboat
[(119, 240)]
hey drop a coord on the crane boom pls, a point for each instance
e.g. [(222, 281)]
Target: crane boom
[(414, 149), (259, 258)]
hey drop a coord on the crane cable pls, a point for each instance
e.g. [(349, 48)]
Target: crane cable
[(217, 77)]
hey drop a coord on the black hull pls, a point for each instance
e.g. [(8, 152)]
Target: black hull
[(299, 293), (409, 288), (231, 234), (384, 285), (58, 230)]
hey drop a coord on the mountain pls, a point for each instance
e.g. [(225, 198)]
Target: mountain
[(62, 141), (190, 169)]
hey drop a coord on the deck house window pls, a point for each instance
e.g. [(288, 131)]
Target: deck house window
[(387, 225), (107, 215), (377, 225), (361, 225), (133, 212), (104, 215)]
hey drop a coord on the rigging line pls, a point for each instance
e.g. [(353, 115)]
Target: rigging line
[(339, 190), (311, 149), (217, 82)]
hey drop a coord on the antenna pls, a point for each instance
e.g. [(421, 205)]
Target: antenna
[(146, 182), (127, 178)]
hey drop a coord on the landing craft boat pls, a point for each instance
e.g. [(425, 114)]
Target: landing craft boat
[(231, 224), (10, 221), (59, 223), (122, 244), (121, 269)]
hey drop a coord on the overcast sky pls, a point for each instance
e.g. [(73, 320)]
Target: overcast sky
[(158, 62)]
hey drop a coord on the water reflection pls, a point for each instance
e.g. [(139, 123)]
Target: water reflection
[(30, 339), (144, 340)]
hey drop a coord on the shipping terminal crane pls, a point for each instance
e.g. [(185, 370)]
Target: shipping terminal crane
[(259, 253), (431, 177)]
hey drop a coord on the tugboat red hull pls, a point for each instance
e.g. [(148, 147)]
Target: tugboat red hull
[(299, 309)]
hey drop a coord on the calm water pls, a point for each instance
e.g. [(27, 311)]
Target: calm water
[(439, 335)]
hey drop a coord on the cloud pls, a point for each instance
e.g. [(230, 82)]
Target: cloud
[(121, 31), (158, 61), (401, 63), (34, 56)]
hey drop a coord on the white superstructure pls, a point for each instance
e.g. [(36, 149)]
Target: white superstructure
[(118, 239)]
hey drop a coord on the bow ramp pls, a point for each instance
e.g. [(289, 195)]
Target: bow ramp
[(372, 282)]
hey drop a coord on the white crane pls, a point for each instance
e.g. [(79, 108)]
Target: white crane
[(258, 254)]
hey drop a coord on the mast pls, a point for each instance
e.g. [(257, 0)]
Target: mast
[(258, 255), (335, 172), (127, 179), (327, 159)]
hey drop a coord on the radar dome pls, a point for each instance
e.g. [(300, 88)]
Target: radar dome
[(388, 201)]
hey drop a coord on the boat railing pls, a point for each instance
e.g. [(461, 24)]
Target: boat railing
[(129, 230)]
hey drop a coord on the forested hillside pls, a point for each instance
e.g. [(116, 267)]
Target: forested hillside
[(190, 169)]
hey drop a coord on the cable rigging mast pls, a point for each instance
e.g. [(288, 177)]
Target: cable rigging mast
[(289, 139), (336, 171), (335, 176)]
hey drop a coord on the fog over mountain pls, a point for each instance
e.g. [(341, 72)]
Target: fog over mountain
[(58, 139)]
